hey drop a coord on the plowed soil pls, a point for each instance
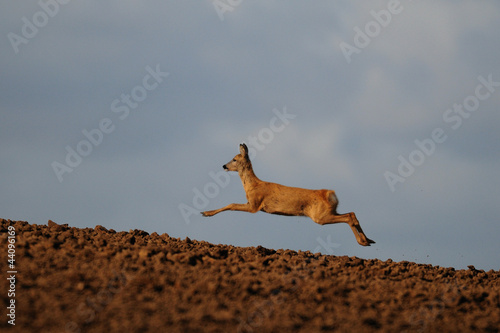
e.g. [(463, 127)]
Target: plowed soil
[(98, 280)]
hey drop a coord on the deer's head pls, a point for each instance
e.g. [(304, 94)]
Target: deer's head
[(240, 161)]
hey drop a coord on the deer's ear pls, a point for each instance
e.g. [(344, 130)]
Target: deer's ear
[(243, 150)]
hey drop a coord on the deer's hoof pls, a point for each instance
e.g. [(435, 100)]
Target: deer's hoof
[(368, 242)]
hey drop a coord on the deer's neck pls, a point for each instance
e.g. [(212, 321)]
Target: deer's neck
[(248, 177)]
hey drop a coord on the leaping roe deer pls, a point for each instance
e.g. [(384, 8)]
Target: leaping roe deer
[(319, 205)]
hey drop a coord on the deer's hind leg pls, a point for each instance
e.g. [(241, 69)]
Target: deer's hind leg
[(349, 218), (354, 223)]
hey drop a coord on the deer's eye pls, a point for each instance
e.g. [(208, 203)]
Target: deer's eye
[(234, 160)]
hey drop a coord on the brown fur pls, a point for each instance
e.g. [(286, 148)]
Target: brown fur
[(272, 198)]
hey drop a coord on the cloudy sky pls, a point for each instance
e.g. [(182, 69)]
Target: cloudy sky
[(121, 114)]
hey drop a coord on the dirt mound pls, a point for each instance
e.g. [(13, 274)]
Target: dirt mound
[(98, 280)]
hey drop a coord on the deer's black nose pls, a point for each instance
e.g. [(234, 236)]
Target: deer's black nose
[(224, 167)]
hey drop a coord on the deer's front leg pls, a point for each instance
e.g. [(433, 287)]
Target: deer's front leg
[(239, 207)]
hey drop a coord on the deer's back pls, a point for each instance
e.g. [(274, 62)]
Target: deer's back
[(285, 200)]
